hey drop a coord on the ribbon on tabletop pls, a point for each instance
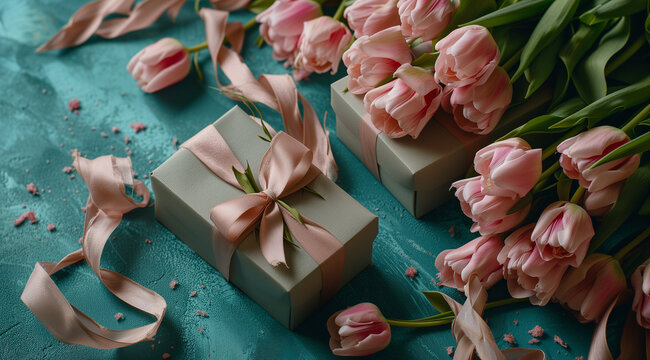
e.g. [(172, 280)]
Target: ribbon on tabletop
[(275, 91), (285, 168), (473, 334), (106, 178)]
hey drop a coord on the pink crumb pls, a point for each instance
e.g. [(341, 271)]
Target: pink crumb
[(579, 358), (115, 129), (166, 356), (32, 189), (202, 313), (516, 322), (127, 139), (450, 350), (411, 272), (452, 231), (68, 169), (51, 227), (23, 206), (72, 176), (202, 286), (26, 216), (193, 293), (537, 331), (147, 241), (128, 151), (509, 339), (138, 126), (173, 284), (104, 134), (533, 341), (74, 105), (119, 316), (201, 330), (560, 342)]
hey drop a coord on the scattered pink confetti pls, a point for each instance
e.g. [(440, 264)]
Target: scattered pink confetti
[(32, 189), (74, 105), (119, 316), (516, 322), (93, 128), (51, 227), (138, 126), (509, 339), (72, 176), (166, 356), (560, 342), (115, 129), (127, 139), (68, 169), (533, 341), (23, 206), (202, 313), (450, 350), (152, 347), (202, 286), (193, 293), (411, 272), (201, 330), (44, 91), (537, 331), (579, 358), (147, 241), (128, 151), (452, 231), (173, 284), (26, 216), (104, 134)]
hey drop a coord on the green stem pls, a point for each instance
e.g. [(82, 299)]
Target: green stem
[(250, 23), (419, 323), (642, 115), (578, 195), (632, 244), (197, 47), (339, 12), (542, 179), (196, 6), (551, 149), (625, 55), (513, 60)]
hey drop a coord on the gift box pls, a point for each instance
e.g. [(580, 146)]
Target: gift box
[(186, 191), (419, 172)]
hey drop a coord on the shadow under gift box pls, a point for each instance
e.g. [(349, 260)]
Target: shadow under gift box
[(186, 191), (419, 172)]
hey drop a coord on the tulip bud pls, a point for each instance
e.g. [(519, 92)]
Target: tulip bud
[(160, 65), (367, 17), (641, 304), (425, 19), (320, 47), (358, 331)]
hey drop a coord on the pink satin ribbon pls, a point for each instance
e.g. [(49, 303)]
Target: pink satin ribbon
[(285, 168), (473, 334), (106, 178), (276, 91)]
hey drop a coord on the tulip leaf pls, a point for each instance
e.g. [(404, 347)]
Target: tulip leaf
[(647, 25), (468, 11), (426, 61), (542, 67), (257, 6), (553, 22), (614, 102), (589, 77), (521, 204), (634, 193), (437, 300), (564, 187), (634, 146), (645, 208), (612, 9), (510, 40), (512, 13)]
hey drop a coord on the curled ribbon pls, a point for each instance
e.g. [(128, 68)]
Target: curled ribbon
[(106, 178), (285, 168), (473, 334), (275, 91)]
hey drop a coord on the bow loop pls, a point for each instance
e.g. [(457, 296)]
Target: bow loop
[(237, 217)]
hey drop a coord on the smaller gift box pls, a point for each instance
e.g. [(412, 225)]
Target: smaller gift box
[(191, 198), (419, 172)]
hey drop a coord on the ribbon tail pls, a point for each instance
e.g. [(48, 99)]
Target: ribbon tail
[(271, 235), (143, 15)]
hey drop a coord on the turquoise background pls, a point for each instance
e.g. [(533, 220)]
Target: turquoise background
[(35, 131)]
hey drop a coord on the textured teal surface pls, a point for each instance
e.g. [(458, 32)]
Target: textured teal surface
[(37, 143)]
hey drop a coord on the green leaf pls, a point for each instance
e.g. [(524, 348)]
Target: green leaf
[(308, 189), (242, 179), (292, 210), (287, 235), (645, 208), (647, 25), (258, 6), (551, 25), (619, 100), (589, 78), (437, 300), (251, 178), (568, 107), (468, 11), (259, 42), (612, 9), (564, 187), (510, 40), (512, 13), (522, 203), (426, 61), (634, 146), (542, 66)]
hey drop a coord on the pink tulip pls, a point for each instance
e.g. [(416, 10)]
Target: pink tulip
[(371, 59), (489, 213), (508, 168), (589, 289), (282, 24), (358, 331), (600, 202), (527, 273), (563, 231), (160, 65), (228, 5), (468, 55), (320, 47), (405, 105), (425, 19), (478, 256), (585, 149), (478, 108), (641, 304), (367, 17)]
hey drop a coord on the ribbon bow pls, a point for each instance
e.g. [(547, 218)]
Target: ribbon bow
[(285, 168)]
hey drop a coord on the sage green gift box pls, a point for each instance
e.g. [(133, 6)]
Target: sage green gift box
[(419, 172), (186, 191)]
